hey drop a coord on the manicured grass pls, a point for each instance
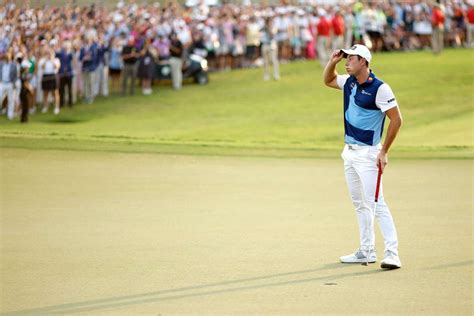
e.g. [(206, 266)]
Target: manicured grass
[(136, 234), (240, 114)]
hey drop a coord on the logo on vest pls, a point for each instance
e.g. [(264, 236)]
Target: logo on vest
[(365, 92)]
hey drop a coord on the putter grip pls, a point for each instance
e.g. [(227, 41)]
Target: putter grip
[(377, 188)]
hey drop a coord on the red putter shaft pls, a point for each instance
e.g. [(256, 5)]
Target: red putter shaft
[(377, 188)]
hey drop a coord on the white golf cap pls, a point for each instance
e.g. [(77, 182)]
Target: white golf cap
[(359, 50)]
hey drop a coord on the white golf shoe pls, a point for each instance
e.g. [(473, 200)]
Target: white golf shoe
[(359, 256), (390, 261)]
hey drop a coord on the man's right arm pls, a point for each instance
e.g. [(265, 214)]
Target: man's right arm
[(330, 73)]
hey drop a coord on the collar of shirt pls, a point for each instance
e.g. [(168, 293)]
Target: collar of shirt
[(368, 82)]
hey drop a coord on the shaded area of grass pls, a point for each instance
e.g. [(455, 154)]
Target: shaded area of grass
[(126, 145)]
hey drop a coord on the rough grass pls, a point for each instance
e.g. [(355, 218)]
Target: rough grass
[(240, 114)]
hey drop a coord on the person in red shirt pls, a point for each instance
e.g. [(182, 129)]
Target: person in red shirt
[(469, 25), (323, 38), (338, 28), (437, 21)]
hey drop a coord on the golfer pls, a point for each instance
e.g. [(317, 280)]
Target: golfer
[(367, 100)]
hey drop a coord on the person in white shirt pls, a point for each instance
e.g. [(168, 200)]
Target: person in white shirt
[(50, 66), (8, 77), (367, 102), (269, 50)]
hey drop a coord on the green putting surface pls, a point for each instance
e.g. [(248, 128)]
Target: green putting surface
[(126, 234)]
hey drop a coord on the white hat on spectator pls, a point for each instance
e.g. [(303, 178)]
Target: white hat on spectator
[(200, 26), (25, 63), (359, 50), (117, 18)]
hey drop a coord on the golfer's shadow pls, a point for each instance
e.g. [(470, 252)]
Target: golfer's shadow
[(198, 290)]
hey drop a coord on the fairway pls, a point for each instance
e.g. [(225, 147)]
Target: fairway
[(127, 234)]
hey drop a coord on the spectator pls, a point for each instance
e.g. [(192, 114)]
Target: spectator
[(437, 20), (65, 56), (470, 25), (176, 61), (374, 23), (323, 37), (458, 24), (349, 21), (130, 57), (282, 25), (423, 29), (409, 35), (238, 51), (198, 47), (226, 42), (89, 58), (252, 38), (307, 35), (294, 34), (77, 83), (27, 90), (269, 50), (162, 45), (8, 77), (115, 63), (147, 66), (303, 22), (211, 39), (338, 28), (50, 66), (102, 82)]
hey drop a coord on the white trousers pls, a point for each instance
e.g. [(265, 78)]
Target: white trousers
[(7, 89), (348, 37), (89, 79), (270, 57), (322, 47), (338, 42), (176, 65), (360, 166), (469, 34), (101, 85), (437, 40)]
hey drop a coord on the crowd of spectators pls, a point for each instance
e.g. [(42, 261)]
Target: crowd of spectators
[(71, 54)]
